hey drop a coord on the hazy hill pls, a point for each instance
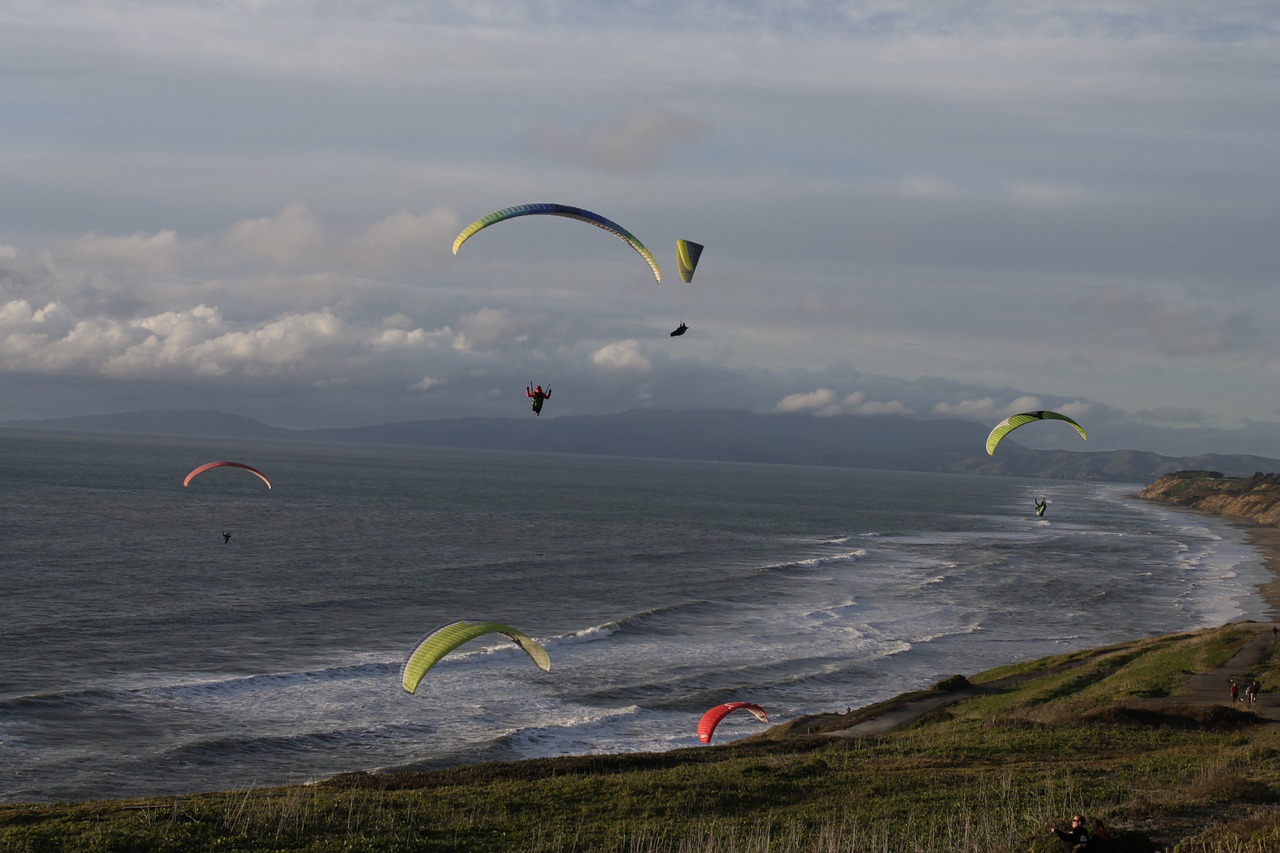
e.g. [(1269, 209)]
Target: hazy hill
[(887, 442)]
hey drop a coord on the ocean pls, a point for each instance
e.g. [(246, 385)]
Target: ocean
[(141, 654)]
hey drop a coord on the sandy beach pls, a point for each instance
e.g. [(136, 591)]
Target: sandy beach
[(1267, 540)]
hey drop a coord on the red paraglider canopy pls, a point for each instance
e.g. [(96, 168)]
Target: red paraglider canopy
[(711, 719), (206, 466)]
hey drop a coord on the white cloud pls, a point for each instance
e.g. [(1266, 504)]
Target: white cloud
[(858, 404), (983, 409), (291, 236), (809, 401), (1076, 410), (139, 251), (198, 342), (823, 403), (622, 357), (483, 328), (401, 240), (1022, 404)]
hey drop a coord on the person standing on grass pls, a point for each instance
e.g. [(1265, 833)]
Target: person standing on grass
[(1075, 839)]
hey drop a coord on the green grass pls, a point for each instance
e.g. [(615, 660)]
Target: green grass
[(988, 773)]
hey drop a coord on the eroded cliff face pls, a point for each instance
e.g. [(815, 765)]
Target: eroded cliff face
[(1256, 498)]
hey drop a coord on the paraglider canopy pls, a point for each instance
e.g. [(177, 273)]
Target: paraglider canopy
[(1012, 422), (549, 209), (435, 645), (711, 719), (687, 254), (223, 464)]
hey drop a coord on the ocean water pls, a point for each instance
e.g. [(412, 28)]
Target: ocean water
[(140, 654)]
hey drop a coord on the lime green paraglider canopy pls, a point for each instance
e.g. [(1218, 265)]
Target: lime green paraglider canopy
[(548, 209), (687, 254), (445, 639), (1012, 422)]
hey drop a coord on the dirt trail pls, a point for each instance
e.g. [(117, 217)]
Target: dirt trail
[(1213, 687), (1204, 688)]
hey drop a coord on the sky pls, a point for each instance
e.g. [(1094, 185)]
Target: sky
[(928, 208)]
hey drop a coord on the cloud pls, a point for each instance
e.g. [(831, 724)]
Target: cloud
[(809, 401), (858, 404), (401, 241), (1076, 410), (632, 143), (483, 328), (289, 237), (155, 252), (823, 403), (983, 409), (1175, 325), (622, 357), (199, 342), (988, 411)]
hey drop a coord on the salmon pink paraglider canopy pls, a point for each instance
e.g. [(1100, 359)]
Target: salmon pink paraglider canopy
[(711, 719), (223, 464)]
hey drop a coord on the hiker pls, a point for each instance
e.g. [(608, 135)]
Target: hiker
[(1235, 691), (1075, 839)]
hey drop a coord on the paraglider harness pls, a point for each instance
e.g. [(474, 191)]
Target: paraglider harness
[(680, 330), (537, 396)]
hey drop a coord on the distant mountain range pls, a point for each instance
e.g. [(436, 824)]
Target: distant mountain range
[(948, 445)]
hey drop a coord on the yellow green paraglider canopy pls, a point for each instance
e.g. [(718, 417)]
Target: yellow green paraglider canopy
[(440, 642), (687, 254), (1012, 422)]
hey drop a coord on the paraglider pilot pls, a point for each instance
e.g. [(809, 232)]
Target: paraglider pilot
[(537, 395), (680, 330), (1041, 506)]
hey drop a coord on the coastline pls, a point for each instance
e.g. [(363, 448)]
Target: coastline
[(1267, 540)]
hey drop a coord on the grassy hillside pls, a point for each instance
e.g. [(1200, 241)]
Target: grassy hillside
[(989, 762)]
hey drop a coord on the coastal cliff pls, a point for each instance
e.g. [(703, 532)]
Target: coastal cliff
[(1256, 497)]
